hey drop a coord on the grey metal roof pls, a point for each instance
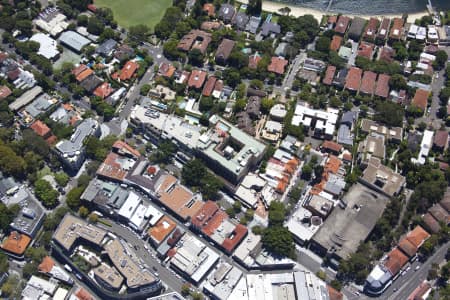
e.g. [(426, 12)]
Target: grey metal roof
[(74, 40), (106, 47), (39, 105), (253, 24), (75, 144), (226, 12), (240, 20), (344, 135), (349, 117), (270, 27)]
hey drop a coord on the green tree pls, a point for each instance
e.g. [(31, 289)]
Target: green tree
[(307, 172), (62, 179), (196, 57), (266, 105), (397, 82), (95, 26), (276, 213), (73, 197), (240, 105), (441, 59), (193, 172), (164, 152), (323, 44), (206, 103), (185, 289), (145, 89), (93, 218), (279, 240), (46, 193), (139, 33), (210, 186), (83, 212)]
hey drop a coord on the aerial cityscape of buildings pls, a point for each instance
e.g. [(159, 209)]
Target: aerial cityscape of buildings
[(224, 152)]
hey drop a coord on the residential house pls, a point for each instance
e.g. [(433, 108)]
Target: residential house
[(396, 32), (226, 12), (353, 79), (383, 30), (356, 28), (420, 99), (342, 24), (224, 51), (270, 28), (371, 29), (277, 65), (440, 142), (240, 20)]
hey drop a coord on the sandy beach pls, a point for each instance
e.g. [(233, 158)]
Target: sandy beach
[(296, 11)]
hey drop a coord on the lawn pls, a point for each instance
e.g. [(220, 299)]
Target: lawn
[(133, 12)]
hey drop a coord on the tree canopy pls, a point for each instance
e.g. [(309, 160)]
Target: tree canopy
[(46, 193)]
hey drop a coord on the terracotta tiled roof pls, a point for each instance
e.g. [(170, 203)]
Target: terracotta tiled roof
[(214, 222), (368, 82), (353, 79), (204, 214), (16, 243), (342, 24), (329, 75), (420, 291), (4, 92), (230, 243), (365, 50), (166, 70), (382, 89), (46, 265), (441, 138), (103, 90), (330, 145), (253, 61), (336, 42), (123, 148), (197, 79), (77, 70), (439, 213), (395, 261), (209, 86), (417, 236), (40, 128), (84, 74), (371, 29), (407, 247), (334, 294), (333, 164), (420, 99), (396, 29), (128, 70), (277, 65), (82, 294), (162, 229)]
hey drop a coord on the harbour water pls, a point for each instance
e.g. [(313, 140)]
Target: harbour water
[(371, 7)]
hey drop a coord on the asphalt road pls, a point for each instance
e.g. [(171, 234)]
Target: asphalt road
[(431, 118), (406, 284), (134, 91)]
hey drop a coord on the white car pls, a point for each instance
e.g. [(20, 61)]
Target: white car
[(417, 268)]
